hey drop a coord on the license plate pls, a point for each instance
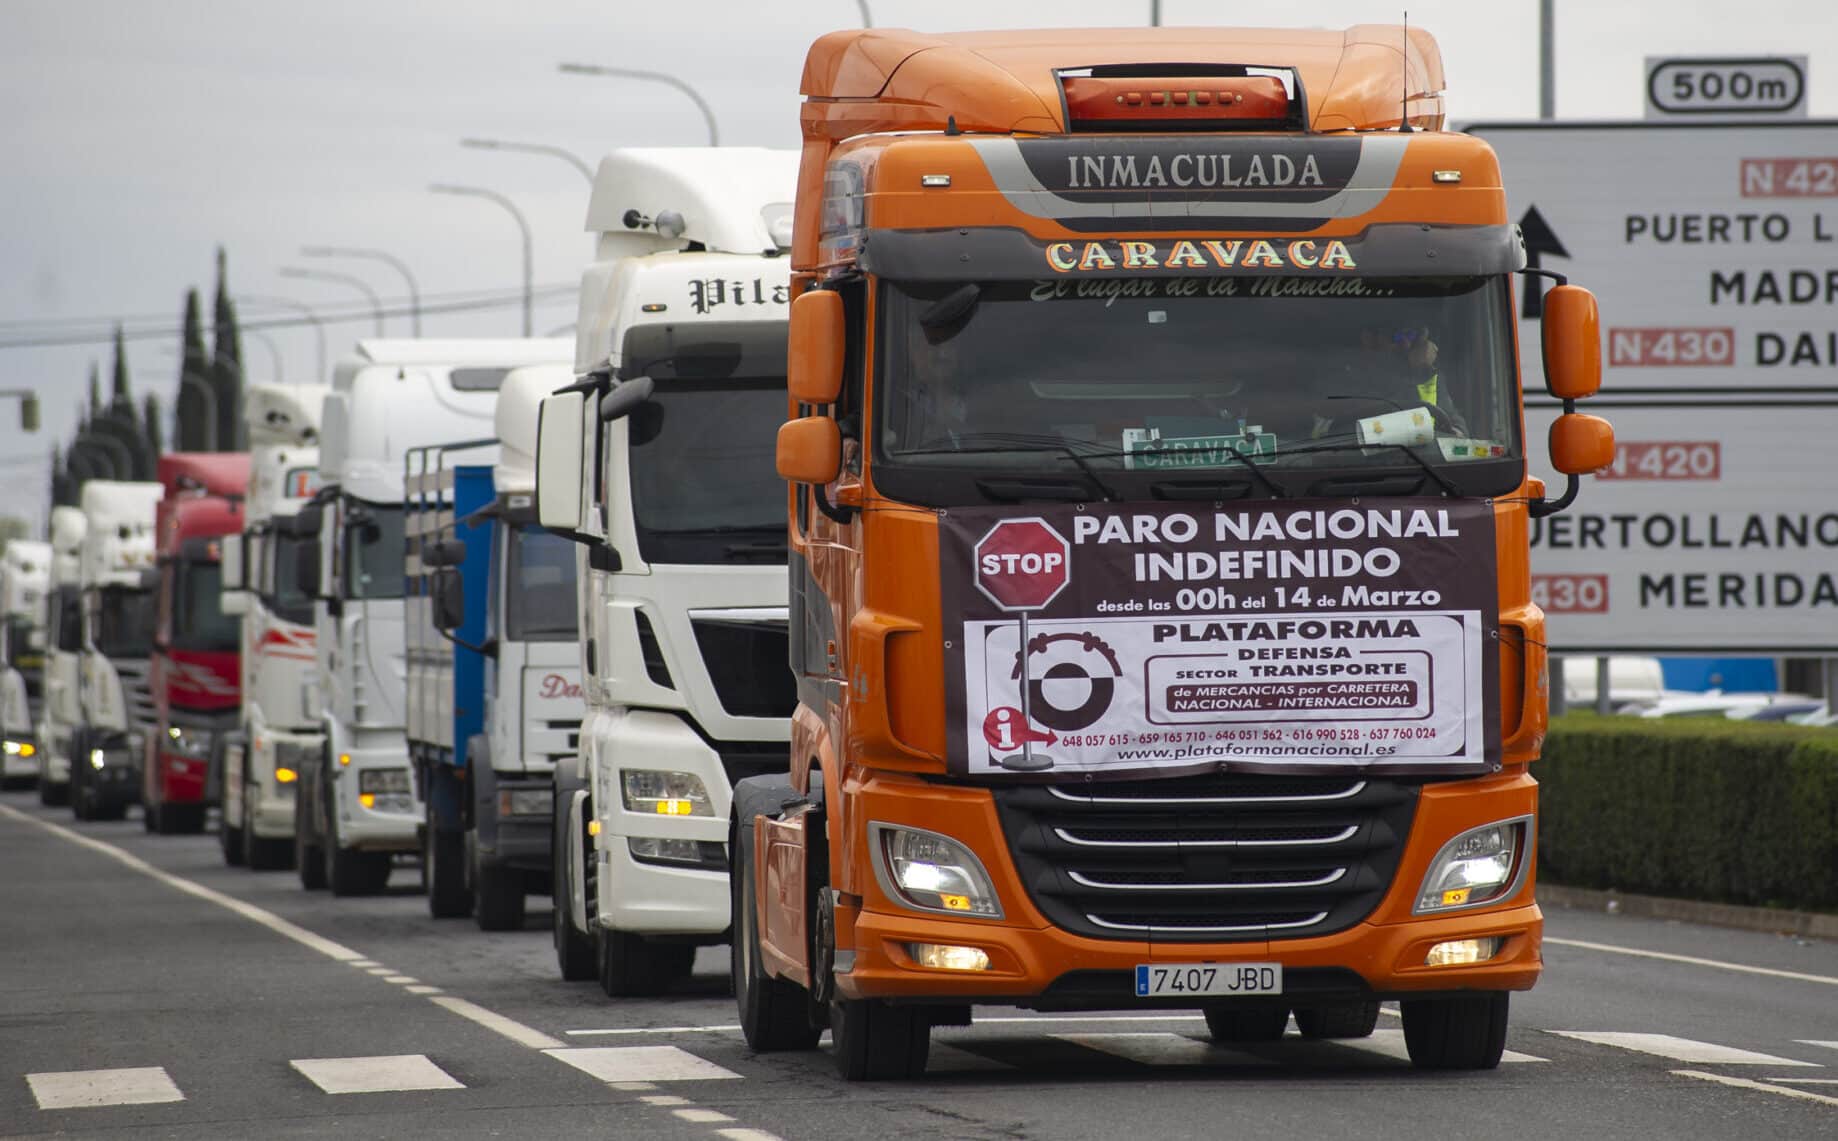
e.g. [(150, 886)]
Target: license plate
[(1169, 980)]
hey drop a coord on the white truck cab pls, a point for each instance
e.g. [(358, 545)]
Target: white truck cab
[(25, 576), (61, 710), (356, 804), (280, 732), (659, 461)]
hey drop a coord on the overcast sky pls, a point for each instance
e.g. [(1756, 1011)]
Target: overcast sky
[(136, 136)]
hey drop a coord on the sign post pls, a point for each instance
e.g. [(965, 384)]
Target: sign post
[(1021, 566)]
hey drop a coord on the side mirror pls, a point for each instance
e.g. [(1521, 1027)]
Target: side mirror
[(1572, 343), (619, 402), (813, 356), (559, 461), (443, 553), (1581, 443), (230, 568), (449, 599), (233, 602), (306, 568), (810, 450)]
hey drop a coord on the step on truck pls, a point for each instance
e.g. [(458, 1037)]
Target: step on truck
[(196, 674), (60, 710), (356, 804), (1159, 591), (25, 577), (494, 671), (118, 577), (279, 729), (654, 460)]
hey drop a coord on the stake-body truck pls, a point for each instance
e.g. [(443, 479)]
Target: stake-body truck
[(1160, 611), (25, 577)]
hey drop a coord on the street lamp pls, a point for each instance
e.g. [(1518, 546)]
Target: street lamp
[(357, 283), (868, 21), (708, 112), (389, 259), (523, 226), (312, 315), (566, 156)]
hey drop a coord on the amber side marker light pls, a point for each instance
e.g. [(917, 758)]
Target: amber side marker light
[(1117, 100)]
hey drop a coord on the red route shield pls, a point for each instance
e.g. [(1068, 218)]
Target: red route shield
[(1022, 564)]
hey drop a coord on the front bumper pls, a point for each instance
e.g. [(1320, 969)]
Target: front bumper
[(520, 840), (391, 823), (271, 811), (19, 757)]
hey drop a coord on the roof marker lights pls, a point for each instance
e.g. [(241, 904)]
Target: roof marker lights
[(1111, 102)]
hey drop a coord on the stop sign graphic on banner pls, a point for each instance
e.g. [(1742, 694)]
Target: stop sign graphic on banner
[(1022, 564)]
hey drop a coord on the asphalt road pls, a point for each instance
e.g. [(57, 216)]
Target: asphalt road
[(146, 990)]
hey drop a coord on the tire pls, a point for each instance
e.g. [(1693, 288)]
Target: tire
[(149, 815), (497, 896), (1342, 1020), (264, 853), (309, 857), (53, 795), (632, 966), (1247, 1023), (231, 839), (874, 1041), (575, 954), (1465, 1033), (18, 784), (351, 872), (443, 857), (774, 1012)]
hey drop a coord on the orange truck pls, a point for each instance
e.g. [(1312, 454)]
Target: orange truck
[(1158, 499)]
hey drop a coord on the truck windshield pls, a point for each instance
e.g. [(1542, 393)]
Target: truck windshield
[(373, 551), (539, 588), (283, 595), (124, 622), (198, 620), (705, 486), (1118, 386)]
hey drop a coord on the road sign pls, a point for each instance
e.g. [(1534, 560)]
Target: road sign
[(1022, 564), (1726, 88), (1714, 253)]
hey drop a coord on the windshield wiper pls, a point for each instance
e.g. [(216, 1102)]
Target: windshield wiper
[(1409, 450), (936, 447), (755, 549)]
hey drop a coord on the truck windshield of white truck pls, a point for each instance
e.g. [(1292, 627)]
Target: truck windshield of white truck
[(373, 551), (539, 588), (124, 622), (198, 620)]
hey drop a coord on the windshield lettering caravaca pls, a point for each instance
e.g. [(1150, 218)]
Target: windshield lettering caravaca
[(1274, 384)]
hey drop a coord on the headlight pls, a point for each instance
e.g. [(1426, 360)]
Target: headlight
[(192, 744), (710, 855), (930, 872), (525, 801), (385, 790), (1478, 866), (664, 793)]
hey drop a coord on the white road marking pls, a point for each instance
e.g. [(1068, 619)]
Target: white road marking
[(636, 1087), (653, 1030), (380, 971), (664, 1099), (1805, 1081), (400, 980), (747, 1135), (1680, 1049), (702, 1116), (424, 989), (1152, 1049), (640, 1063), (82, 1089), (248, 911), (1746, 1083), (1771, 972), (1816, 1042), (497, 1023), (386, 1074), (365, 963)]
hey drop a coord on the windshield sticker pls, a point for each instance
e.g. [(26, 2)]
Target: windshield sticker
[(1296, 637), (1146, 449)]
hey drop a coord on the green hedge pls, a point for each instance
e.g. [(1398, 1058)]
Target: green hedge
[(1707, 809)]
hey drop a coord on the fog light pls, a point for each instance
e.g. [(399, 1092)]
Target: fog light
[(367, 799), (285, 775), (95, 758), (944, 957), (525, 802), (1463, 952)]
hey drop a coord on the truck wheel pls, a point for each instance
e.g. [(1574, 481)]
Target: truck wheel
[(230, 840), (1247, 1024), (309, 856), (875, 1041), (444, 858), (53, 795), (575, 953), (262, 853), (351, 872), (632, 966), (774, 1012), (1465, 1033), (1342, 1020), (497, 896)]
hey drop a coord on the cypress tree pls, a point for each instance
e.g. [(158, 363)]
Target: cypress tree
[(192, 409), (60, 479), (121, 421), (150, 426), (95, 394), (227, 364)]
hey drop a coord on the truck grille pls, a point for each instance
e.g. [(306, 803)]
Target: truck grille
[(137, 692), (1216, 858), (750, 666)]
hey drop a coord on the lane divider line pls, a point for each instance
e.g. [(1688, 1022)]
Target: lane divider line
[(1770, 972), (1750, 1083), (497, 1023)]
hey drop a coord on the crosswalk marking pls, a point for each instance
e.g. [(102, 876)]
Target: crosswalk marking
[(1681, 1049), (640, 1064), (1390, 1043), (384, 1074), (82, 1089)]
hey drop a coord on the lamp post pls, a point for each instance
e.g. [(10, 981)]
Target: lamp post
[(566, 156), (274, 352), (523, 227), (867, 20), (387, 258), (311, 314), (708, 113), (357, 283)]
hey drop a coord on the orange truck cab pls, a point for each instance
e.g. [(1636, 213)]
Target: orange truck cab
[(1160, 611)]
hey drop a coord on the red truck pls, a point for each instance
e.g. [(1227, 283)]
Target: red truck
[(196, 675)]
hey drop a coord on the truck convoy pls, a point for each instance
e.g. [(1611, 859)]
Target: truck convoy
[(195, 680), (1159, 595), (654, 460), (115, 704), (25, 577), (355, 803), (494, 675), (60, 710), (279, 731)]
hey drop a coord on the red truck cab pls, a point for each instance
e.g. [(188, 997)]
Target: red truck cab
[(195, 676)]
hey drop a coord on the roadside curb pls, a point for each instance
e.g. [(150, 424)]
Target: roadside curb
[(1777, 921)]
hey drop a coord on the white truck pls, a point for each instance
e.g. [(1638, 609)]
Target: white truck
[(61, 709), (356, 804), (117, 568), (654, 461), (494, 677), (280, 732), (25, 576)]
